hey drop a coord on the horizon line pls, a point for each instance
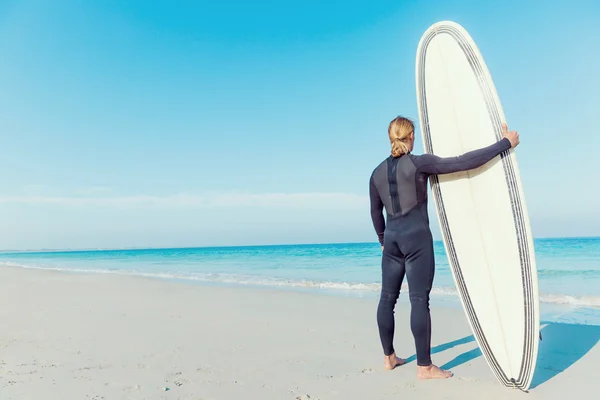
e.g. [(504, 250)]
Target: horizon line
[(96, 249)]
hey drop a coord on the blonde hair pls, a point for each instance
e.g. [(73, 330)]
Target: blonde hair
[(399, 132)]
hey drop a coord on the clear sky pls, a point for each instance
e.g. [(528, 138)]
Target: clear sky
[(191, 123)]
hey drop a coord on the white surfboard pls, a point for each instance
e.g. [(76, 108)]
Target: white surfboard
[(482, 212)]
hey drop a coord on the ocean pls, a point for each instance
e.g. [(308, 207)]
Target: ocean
[(568, 270)]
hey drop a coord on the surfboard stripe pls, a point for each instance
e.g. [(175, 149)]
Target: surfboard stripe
[(524, 377), (517, 207), (523, 250), (519, 222), (517, 210)]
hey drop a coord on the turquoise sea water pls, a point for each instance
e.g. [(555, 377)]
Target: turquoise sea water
[(568, 270)]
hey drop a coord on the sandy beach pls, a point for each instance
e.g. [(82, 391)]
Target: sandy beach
[(102, 336)]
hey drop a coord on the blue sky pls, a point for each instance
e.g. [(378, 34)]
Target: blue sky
[(135, 123)]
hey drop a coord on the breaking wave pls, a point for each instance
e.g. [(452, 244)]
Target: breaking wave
[(580, 301)]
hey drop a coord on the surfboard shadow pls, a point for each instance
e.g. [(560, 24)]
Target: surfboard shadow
[(562, 346), (444, 347), (462, 359)]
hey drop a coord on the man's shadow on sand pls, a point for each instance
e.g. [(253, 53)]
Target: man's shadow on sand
[(562, 346)]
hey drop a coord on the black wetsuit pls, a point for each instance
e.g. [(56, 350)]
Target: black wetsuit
[(399, 184)]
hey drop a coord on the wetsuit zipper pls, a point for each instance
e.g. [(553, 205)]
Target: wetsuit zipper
[(392, 166)]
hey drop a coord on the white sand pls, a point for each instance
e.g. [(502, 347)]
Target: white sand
[(76, 336)]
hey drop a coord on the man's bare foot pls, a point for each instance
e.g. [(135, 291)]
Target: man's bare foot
[(432, 372), (392, 361)]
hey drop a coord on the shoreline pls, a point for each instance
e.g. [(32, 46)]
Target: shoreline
[(582, 309), (74, 335)]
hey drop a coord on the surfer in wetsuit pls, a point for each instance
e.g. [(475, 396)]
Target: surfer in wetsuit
[(399, 184)]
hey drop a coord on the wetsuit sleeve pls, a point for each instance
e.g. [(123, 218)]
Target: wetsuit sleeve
[(376, 210), (432, 164)]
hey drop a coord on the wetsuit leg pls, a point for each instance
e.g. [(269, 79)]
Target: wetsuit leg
[(420, 269), (392, 275)]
